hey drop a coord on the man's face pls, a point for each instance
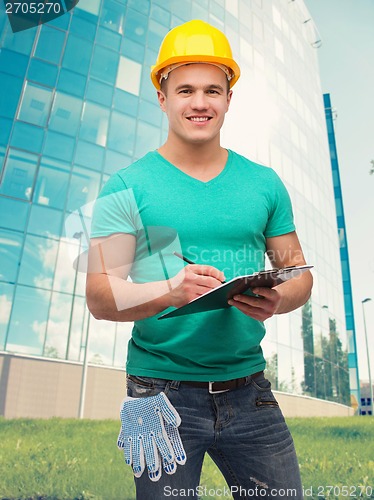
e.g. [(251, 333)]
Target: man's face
[(195, 99)]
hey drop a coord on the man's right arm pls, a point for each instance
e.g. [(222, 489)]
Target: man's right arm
[(111, 297)]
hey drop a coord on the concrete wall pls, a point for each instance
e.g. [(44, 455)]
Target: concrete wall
[(43, 388)]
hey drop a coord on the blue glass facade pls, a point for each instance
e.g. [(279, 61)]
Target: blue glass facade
[(344, 257), (77, 104)]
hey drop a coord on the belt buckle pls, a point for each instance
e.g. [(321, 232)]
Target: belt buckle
[(211, 391)]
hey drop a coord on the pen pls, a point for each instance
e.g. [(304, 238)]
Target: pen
[(177, 254), (183, 258)]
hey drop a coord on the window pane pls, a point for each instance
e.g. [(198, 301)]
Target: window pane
[(136, 26), (52, 183), (5, 129), (50, 44), (11, 88), (59, 146), (71, 82), (91, 6), (94, 126), (66, 112), (38, 262), (125, 102), (18, 176), (104, 64), (13, 63), (28, 321), (13, 213), (108, 38), (129, 75), (45, 221), (115, 161), (148, 139), (42, 72), (84, 187), (112, 16), (28, 137), (122, 133), (89, 155), (35, 106), (10, 251), (132, 50), (22, 41), (82, 28), (99, 92), (6, 299), (67, 279), (77, 54)]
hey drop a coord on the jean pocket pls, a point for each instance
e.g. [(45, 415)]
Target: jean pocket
[(140, 387), (261, 383)]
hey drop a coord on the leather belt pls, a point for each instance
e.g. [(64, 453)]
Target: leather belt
[(217, 387)]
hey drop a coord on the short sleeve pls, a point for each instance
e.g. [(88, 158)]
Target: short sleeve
[(281, 219), (115, 210)]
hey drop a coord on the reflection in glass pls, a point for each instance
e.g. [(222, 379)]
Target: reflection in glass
[(89, 155), (77, 55), (136, 26), (84, 187), (122, 133), (6, 299), (28, 320), (35, 105), (94, 126), (148, 138), (13, 213), (27, 136), (129, 75), (42, 72), (18, 176), (45, 221), (10, 251), (50, 44), (104, 64), (11, 88), (52, 183), (59, 146), (112, 16), (38, 261), (66, 112)]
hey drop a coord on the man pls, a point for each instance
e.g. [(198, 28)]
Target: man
[(224, 212)]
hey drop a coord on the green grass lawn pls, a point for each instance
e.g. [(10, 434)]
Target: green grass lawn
[(78, 459)]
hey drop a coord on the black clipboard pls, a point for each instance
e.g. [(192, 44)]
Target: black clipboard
[(217, 298)]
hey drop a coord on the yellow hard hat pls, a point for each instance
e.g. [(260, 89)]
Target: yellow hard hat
[(193, 42)]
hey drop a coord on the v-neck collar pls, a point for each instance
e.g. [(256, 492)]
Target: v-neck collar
[(192, 179)]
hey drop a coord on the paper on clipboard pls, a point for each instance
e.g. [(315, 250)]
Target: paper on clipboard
[(217, 298)]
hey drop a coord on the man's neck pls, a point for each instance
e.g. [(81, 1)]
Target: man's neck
[(201, 161)]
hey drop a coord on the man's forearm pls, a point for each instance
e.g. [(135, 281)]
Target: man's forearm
[(294, 293), (115, 299)]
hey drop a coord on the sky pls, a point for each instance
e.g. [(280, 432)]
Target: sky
[(347, 73)]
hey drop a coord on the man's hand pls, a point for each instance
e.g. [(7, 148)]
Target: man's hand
[(259, 308), (192, 281)]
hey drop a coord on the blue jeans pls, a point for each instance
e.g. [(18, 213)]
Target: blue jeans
[(243, 431)]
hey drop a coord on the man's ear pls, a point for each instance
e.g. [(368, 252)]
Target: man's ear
[(229, 96), (161, 99)]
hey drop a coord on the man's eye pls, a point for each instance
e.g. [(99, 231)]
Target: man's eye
[(185, 91)]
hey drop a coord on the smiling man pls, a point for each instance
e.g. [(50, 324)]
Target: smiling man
[(196, 383)]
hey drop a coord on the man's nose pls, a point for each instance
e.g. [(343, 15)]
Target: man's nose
[(199, 100)]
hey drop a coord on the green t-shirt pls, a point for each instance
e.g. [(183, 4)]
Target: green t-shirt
[(223, 223)]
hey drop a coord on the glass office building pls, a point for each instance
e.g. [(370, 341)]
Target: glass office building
[(77, 104)]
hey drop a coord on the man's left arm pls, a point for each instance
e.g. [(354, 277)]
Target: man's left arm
[(283, 251)]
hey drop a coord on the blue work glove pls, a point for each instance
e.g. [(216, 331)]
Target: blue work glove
[(144, 437)]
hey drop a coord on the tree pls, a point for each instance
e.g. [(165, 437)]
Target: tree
[(371, 171)]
